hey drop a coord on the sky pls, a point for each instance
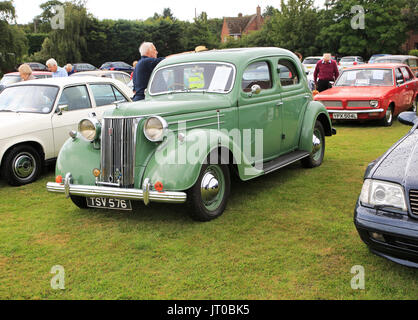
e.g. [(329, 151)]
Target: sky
[(184, 10)]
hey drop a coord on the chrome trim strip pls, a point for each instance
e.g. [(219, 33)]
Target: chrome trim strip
[(357, 111), (196, 119), (124, 194), (201, 126), (146, 188), (67, 182)]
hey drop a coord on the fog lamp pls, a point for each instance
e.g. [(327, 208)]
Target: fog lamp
[(159, 186), (58, 179), (377, 236), (96, 173)]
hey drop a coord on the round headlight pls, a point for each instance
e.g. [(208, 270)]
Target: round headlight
[(89, 129), (155, 129), (374, 103)]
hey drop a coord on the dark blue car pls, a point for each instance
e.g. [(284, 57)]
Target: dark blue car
[(386, 215), (117, 66)]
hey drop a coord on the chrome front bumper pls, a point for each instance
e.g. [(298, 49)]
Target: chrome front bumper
[(145, 194), (356, 111)]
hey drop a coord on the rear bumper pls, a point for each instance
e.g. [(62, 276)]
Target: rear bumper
[(145, 194)]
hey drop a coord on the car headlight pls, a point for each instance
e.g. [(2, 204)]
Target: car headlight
[(155, 129), (374, 103), (90, 129), (377, 193)]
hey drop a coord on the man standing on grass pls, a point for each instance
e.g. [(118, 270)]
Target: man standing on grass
[(326, 70), (57, 72), (144, 69)]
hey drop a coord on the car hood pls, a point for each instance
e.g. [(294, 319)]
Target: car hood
[(353, 93), (15, 124), (399, 164), (174, 104)]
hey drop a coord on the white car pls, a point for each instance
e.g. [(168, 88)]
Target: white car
[(37, 116), (350, 61), (310, 63)]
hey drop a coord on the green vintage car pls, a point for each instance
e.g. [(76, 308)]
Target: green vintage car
[(207, 116)]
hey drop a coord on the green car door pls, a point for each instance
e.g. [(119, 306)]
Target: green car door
[(260, 110)]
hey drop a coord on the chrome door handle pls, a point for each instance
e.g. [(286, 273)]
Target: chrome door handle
[(279, 104)]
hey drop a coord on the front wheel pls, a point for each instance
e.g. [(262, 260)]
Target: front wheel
[(209, 196), (318, 147), (80, 202), (22, 165), (388, 118)]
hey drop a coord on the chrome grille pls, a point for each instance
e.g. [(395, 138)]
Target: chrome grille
[(413, 198), (358, 104), (338, 104), (118, 151)]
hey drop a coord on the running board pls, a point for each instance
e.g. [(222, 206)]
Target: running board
[(284, 161)]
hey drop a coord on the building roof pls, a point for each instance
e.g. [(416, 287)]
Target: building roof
[(237, 25)]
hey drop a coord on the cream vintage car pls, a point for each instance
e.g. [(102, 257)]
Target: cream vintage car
[(36, 117)]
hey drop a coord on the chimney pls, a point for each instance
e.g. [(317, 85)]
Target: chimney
[(258, 11)]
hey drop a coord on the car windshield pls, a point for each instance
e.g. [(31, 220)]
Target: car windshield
[(348, 59), (28, 99), (311, 61), (366, 78), (201, 76), (8, 80)]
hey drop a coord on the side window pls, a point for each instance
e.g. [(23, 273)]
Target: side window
[(257, 73), (120, 77), (118, 95), (406, 75), (288, 73), (76, 98), (105, 94), (399, 76)]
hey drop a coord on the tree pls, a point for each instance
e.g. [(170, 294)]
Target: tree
[(384, 30)]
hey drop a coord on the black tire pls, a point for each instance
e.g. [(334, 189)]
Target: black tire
[(387, 120), (22, 165), (316, 158), (80, 202), (205, 210), (414, 105)]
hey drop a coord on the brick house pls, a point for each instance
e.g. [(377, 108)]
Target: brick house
[(235, 27), (411, 43)]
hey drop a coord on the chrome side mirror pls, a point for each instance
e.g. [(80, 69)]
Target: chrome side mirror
[(255, 89), (61, 109)]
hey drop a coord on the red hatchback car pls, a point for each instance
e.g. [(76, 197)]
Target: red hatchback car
[(372, 92)]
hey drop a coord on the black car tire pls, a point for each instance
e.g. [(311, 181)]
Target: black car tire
[(387, 120), (316, 158), (22, 165), (205, 210), (80, 202)]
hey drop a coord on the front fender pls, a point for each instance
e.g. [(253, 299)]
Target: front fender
[(178, 164), (315, 111), (80, 159)]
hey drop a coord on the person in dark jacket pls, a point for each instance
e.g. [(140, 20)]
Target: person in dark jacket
[(144, 69), (326, 70)]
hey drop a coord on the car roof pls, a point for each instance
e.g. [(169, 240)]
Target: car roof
[(98, 72), (36, 73), (62, 82), (399, 56), (234, 56), (377, 66)]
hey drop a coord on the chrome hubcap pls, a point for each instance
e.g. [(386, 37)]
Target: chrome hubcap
[(24, 165), (317, 145), (389, 115), (209, 188)]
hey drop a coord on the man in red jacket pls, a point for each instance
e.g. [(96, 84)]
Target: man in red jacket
[(326, 70)]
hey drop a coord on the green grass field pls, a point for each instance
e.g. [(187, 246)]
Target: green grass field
[(289, 235)]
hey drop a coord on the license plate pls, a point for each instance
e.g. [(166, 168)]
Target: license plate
[(349, 116), (109, 203)]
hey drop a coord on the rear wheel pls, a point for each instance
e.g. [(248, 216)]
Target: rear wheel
[(209, 196), (318, 147), (22, 165), (388, 118)]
